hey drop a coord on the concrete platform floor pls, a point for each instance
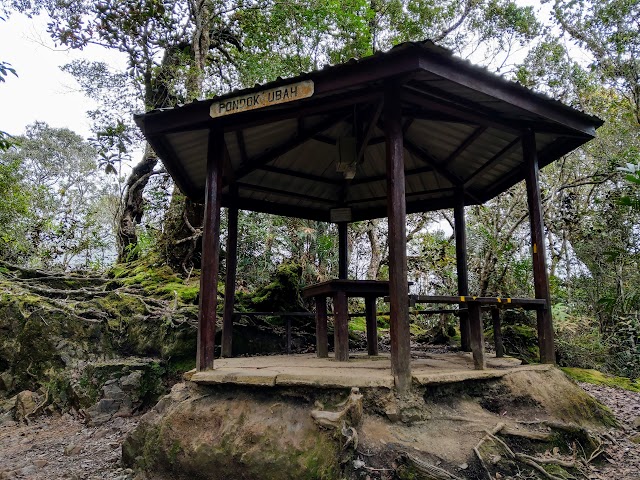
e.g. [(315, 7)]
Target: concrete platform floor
[(360, 371)]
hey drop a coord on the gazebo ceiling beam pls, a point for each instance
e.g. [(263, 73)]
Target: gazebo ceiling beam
[(284, 148), (413, 206), (506, 150), (324, 139), (436, 116), (433, 162), (422, 98), (464, 145), (407, 125), (547, 153), (408, 195), (437, 166), (285, 193), (228, 175), (364, 143), (379, 178), (244, 158), (272, 208), (303, 175)]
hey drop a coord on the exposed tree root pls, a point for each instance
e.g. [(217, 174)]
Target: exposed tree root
[(428, 470), (537, 462)]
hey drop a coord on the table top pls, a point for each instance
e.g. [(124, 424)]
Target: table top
[(378, 288)]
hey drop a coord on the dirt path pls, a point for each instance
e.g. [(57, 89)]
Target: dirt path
[(623, 459), (64, 448)]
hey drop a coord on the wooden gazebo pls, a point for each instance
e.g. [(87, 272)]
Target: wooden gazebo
[(411, 130)]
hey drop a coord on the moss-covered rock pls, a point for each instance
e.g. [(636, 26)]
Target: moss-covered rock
[(282, 293), (210, 433), (52, 325)]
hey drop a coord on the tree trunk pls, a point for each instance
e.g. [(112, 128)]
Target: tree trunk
[(376, 255), (132, 206), (181, 240)]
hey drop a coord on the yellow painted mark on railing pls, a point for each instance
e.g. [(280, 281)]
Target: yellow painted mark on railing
[(535, 248), (461, 298), (508, 300)]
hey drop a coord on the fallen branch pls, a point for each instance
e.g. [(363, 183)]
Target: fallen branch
[(549, 460), (431, 470)]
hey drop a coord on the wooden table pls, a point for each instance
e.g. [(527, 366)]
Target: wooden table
[(340, 290)]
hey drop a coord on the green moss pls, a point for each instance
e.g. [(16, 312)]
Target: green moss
[(383, 321), (357, 324), (174, 451), (521, 341), (598, 378), (157, 279), (181, 365), (283, 293), (416, 329)]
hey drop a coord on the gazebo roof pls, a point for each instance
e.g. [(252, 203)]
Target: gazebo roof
[(462, 132)]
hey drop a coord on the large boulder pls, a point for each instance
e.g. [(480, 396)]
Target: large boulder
[(212, 433)]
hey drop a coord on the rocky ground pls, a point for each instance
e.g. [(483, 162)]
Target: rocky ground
[(623, 458), (64, 447)]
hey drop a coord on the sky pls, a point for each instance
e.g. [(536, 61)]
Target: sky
[(42, 91)]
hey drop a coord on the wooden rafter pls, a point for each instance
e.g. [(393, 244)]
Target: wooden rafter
[(282, 149), (432, 161), (285, 193), (464, 145), (303, 175), (408, 195), (381, 177), (423, 99), (513, 144), (369, 132)]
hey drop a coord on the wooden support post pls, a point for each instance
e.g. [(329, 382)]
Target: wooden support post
[(343, 260), (210, 251), (340, 326), (322, 346), (372, 325), (540, 276), (288, 323), (397, 212), (497, 332), (461, 265), (477, 335), (230, 285)]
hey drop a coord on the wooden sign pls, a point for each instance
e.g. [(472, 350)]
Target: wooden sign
[(266, 98)]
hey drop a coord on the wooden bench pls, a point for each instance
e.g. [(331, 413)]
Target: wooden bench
[(340, 290), (474, 308)]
